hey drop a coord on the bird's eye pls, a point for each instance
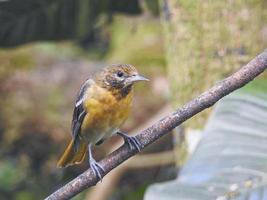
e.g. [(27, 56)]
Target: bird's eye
[(120, 74)]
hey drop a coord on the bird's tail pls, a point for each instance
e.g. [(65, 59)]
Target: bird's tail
[(70, 157)]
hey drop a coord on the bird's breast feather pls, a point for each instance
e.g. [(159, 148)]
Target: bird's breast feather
[(105, 112)]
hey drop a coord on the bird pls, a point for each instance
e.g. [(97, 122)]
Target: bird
[(102, 106)]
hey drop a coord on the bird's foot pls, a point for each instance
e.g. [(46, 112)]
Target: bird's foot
[(97, 168), (131, 141)]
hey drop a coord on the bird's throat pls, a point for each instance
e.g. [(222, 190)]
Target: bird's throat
[(122, 93)]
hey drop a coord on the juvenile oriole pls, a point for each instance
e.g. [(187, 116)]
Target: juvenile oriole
[(102, 106)]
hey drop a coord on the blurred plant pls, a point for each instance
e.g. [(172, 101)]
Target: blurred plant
[(12, 60), (137, 41)]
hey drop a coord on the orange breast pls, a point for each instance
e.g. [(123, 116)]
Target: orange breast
[(105, 114)]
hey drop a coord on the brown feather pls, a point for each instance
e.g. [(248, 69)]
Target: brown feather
[(70, 157)]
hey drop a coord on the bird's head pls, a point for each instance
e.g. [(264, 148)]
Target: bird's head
[(119, 77)]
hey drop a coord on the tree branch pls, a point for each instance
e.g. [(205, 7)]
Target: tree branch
[(162, 127)]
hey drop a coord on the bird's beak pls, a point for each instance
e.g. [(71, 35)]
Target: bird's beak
[(136, 78)]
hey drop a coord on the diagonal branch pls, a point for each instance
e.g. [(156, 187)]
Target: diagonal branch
[(162, 127)]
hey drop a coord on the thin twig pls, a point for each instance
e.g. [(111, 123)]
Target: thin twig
[(162, 127)]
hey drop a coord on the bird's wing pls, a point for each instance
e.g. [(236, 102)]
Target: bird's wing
[(79, 113)]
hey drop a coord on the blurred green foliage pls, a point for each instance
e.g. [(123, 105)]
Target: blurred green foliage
[(256, 87), (128, 33), (138, 193), (9, 175), (13, 60)]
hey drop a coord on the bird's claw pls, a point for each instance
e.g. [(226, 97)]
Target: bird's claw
[(131, 141), (96, 168)]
